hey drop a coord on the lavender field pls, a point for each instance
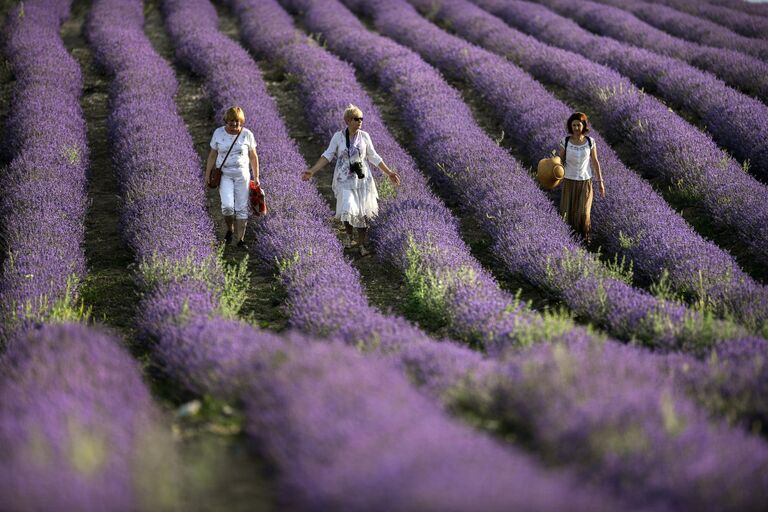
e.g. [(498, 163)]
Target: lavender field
[(483, 358)]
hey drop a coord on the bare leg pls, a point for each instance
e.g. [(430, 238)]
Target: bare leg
[(240, 228), (362, 240), (230, 221)]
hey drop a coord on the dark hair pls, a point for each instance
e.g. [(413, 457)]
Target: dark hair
[(577, 116)]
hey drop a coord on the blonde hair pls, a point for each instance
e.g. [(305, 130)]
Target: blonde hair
[(234, 113), (352, 111)]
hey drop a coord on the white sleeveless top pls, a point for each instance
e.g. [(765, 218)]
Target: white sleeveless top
[(578, 161)]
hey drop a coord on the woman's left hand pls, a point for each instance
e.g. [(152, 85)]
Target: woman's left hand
[(394, 178), (602, 189)]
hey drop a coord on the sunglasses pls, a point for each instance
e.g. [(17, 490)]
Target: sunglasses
[(360, 119), (237, 121)]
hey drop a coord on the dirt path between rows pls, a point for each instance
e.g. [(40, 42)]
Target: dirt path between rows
[(218, 470)]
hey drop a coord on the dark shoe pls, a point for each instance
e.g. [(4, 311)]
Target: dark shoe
[(242, 245), (228, 237)]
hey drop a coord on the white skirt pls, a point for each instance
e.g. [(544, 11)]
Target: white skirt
[(356, 200)]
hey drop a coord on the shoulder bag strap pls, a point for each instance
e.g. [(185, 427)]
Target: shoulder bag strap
[(230, 149)]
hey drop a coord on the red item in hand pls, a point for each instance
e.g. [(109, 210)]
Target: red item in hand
[(256, 196)]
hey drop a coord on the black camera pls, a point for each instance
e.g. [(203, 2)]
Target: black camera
[(357, 168)]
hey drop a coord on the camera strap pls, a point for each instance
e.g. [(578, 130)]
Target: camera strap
[(349, 154)]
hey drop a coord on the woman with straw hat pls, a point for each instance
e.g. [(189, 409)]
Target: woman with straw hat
[(578, 153)]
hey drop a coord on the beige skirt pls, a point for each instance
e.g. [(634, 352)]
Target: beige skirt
[(576, 205)]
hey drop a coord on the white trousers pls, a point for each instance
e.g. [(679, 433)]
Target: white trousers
[(233, 191)]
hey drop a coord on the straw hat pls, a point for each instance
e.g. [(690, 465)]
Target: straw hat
[(549, 172)]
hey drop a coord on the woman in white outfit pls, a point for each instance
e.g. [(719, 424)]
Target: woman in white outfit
[(353, 184), (236, 173)]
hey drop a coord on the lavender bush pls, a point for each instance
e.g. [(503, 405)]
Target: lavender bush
[(78, 428), (692, 28), (42, 206), (736, 69), (733, 128)]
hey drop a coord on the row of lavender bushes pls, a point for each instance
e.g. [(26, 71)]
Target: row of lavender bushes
[(740, 5), (495, 381), (738, 70), (726, 15), (287, 385), (78, 427), (632, 221), (399, 19), (324, 85), (326, 298), (671, 148), (524, 225), (728, 115), (414, 232), (742, 359), (43, 203), (693, 28)]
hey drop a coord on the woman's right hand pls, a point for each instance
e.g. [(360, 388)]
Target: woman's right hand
[(307, 175)]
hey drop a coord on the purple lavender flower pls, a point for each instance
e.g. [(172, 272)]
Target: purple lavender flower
[(735, 68), (78, 427), (692, 28), (43, 203), (750, 26)]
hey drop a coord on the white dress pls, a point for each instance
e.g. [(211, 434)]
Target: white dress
[(356, 198)]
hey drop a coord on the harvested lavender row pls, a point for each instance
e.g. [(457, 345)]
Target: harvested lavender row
[(523, 226), (745, 24), (734, 68), (414, 231), (78, 428), (232, 359), (43, 202), (670, 147), (733, 128), (692, 28), (659, 240)]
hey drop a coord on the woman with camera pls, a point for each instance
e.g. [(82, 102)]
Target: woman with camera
[(353, 184)]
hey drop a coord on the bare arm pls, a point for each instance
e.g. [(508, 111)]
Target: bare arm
[(254, 164), (209, 163), (321, 162), (393, 176), (598, 170)]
